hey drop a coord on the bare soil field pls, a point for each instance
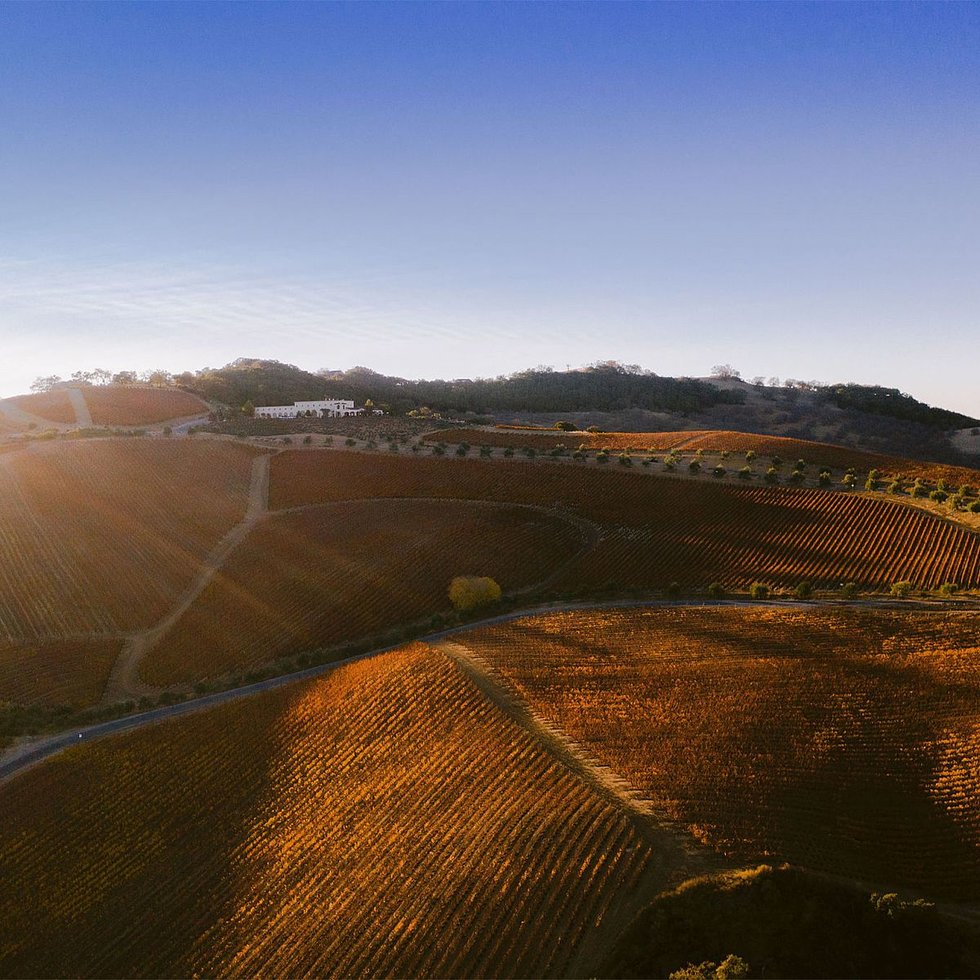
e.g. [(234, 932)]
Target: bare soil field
[(845, 741)]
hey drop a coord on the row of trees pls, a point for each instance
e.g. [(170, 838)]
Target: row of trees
[(99, 376)]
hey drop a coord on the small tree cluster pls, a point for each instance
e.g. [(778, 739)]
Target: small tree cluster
[(467, 592)]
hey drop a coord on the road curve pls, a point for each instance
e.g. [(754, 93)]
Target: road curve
[(29, 754)]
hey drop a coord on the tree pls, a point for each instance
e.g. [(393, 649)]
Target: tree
[(725, 372), (45, 384), (467, 592), (901, 589), (803, 591), (124, 378), (759, 590), (565, 426), (248, 409)]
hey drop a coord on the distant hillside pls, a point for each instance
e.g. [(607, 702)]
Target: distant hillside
[(605, 387)]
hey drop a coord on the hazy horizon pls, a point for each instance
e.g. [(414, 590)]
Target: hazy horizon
[(471, 190)]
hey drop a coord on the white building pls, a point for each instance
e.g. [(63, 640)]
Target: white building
[(325, 408)]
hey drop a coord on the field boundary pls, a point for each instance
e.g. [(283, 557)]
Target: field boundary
[(29, 751)]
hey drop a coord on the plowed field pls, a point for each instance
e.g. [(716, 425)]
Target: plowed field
[(384, 821), (655, 531), (100, 536), (348, 571), (844, 741)]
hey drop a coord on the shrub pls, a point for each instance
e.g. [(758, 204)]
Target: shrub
[(824, 479), (673, 590), (287, 440), (565, 426), (509, 452), (849, 590), (716, 590), (439, 450), (895, 486), (901, 589), (624, 459), (669, 464), (725, 454), (849, 480), (463, 449), (801, 464), (466, 592), (803, 591), (486, 451), (869, 484), (745, 473), (578, 454), (771, 475), (939, 496), (919, 489), (719, 470), (948, 588), (776, 460), (796, 477), (593, 428), (694, 466), (750, 456), (974, 508), (371, 444), (328, 441), (168, 431), (350, 442), (602, 456), (759, 590)]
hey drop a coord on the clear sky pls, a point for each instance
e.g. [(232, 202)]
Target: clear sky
[(463, 190)]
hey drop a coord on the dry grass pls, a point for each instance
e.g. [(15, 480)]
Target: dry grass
[(384, 821), (656, 531), (101, 536), (122, 405), (348, 571), (845, 741)]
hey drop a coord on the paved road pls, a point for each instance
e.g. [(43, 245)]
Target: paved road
[(30, 754)]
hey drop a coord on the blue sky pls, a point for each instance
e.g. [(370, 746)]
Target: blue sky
[(461, 190)]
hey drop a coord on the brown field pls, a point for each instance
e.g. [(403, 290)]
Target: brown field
[(123, 405), (658, 530), (816, 454), (56, 672), (347, 571), (101, 536), (55, 406), (386, 820), (518, 437), (844, 741)]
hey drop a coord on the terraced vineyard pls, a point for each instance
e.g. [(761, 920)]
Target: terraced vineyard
[(100, 536), (341, 572), (384, 821), (121, 405), (841, 740), (656, 531)]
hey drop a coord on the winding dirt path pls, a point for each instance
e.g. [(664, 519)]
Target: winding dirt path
[(124, 681)]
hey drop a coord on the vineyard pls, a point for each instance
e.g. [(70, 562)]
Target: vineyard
[(384, 821), (55, 406), (657, 531), (544, 439), (56, 672), (342, 572), (841, 740), (101, 536), (816, 454), (123, 405)]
